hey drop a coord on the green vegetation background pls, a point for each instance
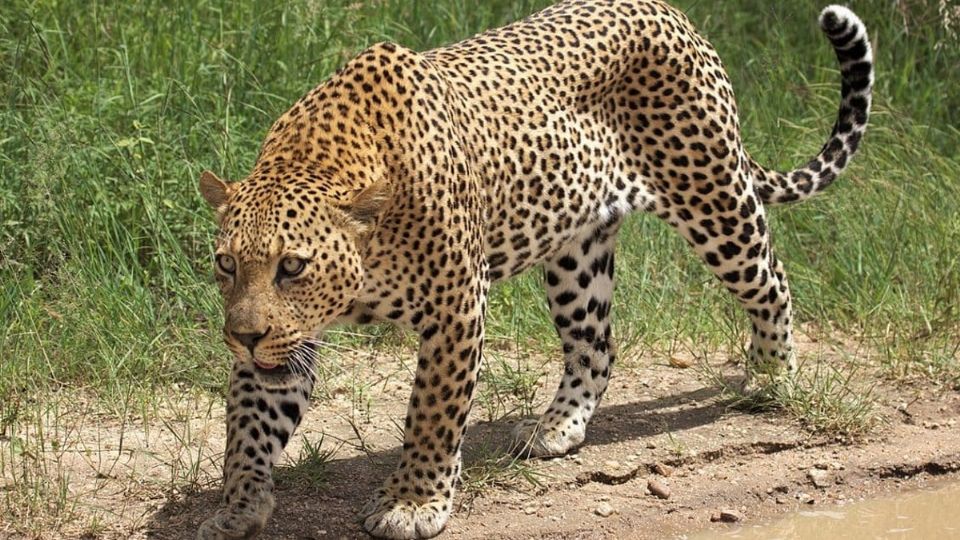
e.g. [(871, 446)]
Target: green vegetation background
[(109, 112)]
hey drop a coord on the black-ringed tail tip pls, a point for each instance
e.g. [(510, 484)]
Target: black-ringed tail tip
[(850, 41)]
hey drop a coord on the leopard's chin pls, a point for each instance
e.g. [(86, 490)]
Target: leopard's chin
[(274, 370)]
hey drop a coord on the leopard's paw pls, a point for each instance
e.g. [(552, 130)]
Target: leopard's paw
[(230, 525), (244, 519), (532, 438), (386, 516)]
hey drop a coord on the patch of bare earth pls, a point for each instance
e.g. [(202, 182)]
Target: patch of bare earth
[(661, 429)]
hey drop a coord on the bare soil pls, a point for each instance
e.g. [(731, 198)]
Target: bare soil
[(658, 422)]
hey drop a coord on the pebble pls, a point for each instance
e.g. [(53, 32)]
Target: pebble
[(726, 516), (662, 469), (680, 363), (530, 510), (604, 510), (612, 464), (658, 489), (819, 477)]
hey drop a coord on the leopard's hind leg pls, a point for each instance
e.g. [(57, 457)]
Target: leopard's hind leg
[(579, 283), (733, 239)]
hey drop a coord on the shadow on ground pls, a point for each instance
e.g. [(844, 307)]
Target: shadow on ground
[(328, 511)]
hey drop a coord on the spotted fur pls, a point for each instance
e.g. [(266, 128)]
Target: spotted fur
[(402, 187)]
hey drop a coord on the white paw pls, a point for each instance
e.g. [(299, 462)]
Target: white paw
[(532, 439), (240, 519), (385, 516), (227, 525)]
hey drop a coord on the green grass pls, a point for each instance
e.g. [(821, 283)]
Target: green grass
[(108, 113), (309, 470)]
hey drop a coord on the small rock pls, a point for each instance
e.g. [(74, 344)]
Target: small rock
[(658, 489), (819, 477), (781, 500), (604, 510), (530, 510), (680, 363), (611, 464), (662, 469), (726, 516), (805, 499)]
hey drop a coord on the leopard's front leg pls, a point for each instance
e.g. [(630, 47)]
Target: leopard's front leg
[(416, 499), (262, 415)]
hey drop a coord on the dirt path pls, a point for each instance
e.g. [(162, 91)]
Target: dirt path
[(717, 460), (657, 423)]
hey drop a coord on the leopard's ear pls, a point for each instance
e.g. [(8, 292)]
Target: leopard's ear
[(367, 205), (214, 190), (370, 189)]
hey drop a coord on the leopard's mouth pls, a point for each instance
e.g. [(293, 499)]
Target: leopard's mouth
[(265, 366), (273, 371), (300, 361)]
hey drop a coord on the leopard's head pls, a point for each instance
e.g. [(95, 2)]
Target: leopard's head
[(288, 260)]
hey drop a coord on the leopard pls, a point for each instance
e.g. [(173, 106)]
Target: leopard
[(401, 188)]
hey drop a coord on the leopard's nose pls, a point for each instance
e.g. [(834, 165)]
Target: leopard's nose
[(250, 339)]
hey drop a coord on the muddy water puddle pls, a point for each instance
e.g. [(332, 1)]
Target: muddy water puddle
[(921, 515)]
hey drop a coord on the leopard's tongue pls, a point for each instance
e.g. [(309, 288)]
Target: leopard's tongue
[(264, 366)]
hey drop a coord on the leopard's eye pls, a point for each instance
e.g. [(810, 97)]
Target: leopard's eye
[(227, 264), (291, 266)]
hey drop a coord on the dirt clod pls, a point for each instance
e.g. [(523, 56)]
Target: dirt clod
[(658, 489)]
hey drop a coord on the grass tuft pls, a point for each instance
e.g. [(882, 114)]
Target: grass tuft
[(309, 469)]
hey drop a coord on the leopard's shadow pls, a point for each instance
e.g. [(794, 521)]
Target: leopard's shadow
[(329, 511)]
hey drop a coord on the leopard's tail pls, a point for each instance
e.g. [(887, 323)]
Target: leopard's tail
[(849, 37)]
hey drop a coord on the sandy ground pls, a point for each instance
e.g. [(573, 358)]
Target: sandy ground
[(158, 479)]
